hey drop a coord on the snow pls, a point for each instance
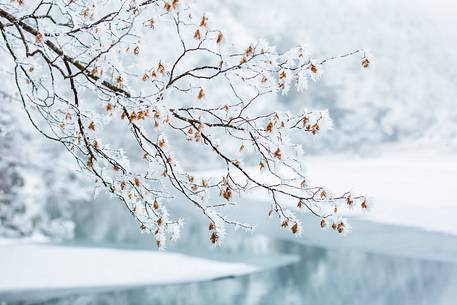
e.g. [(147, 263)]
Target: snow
[(41, 271), (32, 267), (408, 185), (411, 186)]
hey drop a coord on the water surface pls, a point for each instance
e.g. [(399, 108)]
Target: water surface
[(322, 276)]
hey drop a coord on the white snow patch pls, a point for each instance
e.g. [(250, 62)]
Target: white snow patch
[(409, 186), (25, 267)]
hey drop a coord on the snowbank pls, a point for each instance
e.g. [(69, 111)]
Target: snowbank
[(27, 269), (412, 186), (407, 185)]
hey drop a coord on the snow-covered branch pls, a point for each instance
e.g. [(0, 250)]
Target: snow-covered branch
[(90, 73)]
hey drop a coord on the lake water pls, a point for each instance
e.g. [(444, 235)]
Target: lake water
[(322, 276)]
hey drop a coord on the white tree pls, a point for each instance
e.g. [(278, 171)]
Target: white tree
[(103, 76), (36, 193), (387, 104)]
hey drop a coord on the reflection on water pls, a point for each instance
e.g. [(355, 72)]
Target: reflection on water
[(323, 277)]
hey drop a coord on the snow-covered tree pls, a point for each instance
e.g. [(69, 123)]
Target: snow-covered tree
[(135, 89), (410, 95), (37, 183)]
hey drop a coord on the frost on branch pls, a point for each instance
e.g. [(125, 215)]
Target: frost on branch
[(97, 73)]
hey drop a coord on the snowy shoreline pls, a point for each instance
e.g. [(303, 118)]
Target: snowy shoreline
[(31, 271)]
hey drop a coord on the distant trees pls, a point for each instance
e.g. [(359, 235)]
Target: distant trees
[(101, 77), (36, 185)]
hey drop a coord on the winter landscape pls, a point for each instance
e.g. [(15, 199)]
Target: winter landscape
[(228, 152)]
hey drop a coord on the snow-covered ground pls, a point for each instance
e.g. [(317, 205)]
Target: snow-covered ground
[(44, 270), (411, 186), (408, 185)]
